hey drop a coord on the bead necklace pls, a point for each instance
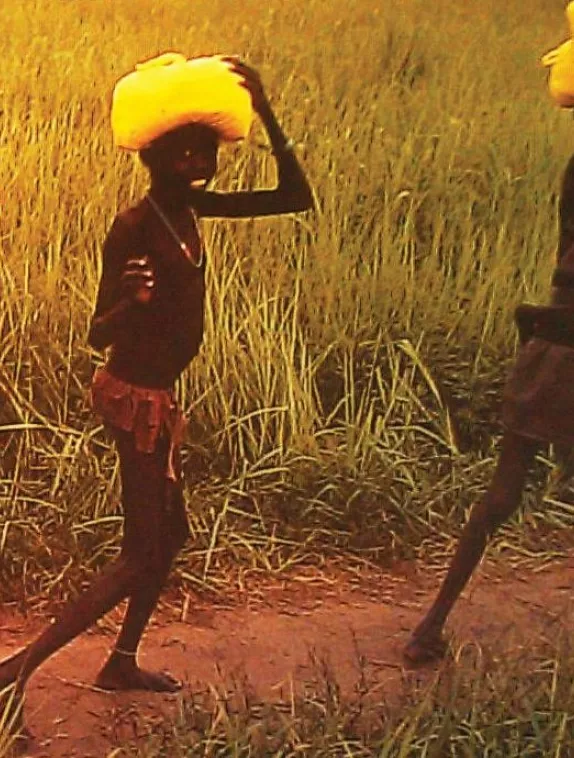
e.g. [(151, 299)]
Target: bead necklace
[(181, 244)]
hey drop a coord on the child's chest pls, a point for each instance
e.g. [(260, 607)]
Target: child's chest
[(176, 256)]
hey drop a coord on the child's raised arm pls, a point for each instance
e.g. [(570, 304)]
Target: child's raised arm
[(292, 193)]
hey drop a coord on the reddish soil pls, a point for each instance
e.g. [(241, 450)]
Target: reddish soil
[(278, 637)]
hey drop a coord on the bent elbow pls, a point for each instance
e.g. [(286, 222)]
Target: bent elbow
[(96, 338), (302, 201)]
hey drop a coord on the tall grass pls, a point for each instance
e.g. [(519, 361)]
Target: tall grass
[(346, 394)]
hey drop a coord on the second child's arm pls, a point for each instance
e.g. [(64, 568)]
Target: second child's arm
[(292, 193)]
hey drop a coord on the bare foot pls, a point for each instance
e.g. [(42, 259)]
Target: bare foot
[(423, 649), (121, 676)]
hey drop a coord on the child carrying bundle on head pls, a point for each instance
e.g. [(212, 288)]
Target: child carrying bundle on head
[(149, 314)]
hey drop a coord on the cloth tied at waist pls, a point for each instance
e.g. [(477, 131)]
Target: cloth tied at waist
[(147, 413)]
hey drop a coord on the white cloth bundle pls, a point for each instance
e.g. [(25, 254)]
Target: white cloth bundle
[(170, 91)]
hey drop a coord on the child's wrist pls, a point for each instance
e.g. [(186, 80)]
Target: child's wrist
[(286, 146)]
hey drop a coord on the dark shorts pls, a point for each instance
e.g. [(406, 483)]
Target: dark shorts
[(538, 399)]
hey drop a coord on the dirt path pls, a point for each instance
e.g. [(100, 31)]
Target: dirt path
[(277, 638)]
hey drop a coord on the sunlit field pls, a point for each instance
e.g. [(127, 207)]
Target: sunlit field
[(347, 390), (345, 402)]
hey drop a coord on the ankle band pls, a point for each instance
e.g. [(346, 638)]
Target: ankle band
[(127, 653)]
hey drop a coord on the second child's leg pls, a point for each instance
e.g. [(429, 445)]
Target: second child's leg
[(501, 500)]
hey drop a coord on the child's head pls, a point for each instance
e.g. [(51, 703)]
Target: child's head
[(188, 154)]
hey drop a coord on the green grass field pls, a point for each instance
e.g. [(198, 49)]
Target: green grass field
[(345, 401)]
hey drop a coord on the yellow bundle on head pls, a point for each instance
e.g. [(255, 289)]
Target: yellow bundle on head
[(561, 64), (170, 91)]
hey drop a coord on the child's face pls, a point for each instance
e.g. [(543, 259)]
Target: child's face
[(189, 154)]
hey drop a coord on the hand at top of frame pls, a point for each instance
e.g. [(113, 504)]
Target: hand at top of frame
[(251, 81)]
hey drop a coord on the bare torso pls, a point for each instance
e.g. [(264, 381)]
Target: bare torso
[(160, 338)]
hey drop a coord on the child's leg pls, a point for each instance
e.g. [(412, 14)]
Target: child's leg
[(79, 615), (501, 500), (108, 590), (139, 573), (121, 671), (155, 526)]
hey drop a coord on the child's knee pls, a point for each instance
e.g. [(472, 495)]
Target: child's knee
[(148, 563)]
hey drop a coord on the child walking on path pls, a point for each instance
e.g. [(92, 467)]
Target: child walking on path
[(149, 312), (538, 402)]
